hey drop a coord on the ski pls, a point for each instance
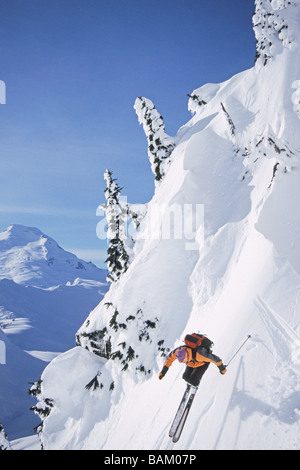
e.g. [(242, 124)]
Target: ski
[(180, 411), (181, 423)]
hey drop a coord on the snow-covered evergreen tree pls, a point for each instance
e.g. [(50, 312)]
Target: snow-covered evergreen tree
[(118, 257), (4, 443), (272, 29), (43, 406), (160, 145)]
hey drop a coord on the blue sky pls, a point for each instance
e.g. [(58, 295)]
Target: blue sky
[(72, 70)]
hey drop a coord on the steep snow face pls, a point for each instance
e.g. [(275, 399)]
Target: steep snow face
[(27, 256), (232, 273)]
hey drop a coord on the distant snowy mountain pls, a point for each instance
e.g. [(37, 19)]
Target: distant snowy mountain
[(29, 257), (235, 272), (45, 295)]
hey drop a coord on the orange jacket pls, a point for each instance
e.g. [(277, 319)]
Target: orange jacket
[(200, 357)]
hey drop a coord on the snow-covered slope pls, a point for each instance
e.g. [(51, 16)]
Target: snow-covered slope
[(238, 157), (43, 301)]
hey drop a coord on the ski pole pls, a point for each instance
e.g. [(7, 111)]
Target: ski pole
[(248, 337)]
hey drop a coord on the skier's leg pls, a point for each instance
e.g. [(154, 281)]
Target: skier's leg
[(197, 374), (187, 373)]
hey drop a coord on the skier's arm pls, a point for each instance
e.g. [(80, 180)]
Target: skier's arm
[(170, 359), (205, 356)]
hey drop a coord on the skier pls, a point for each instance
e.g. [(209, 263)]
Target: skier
[(197, 359)]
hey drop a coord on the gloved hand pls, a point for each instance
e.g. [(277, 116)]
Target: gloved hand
[(222, 369), (163, 372)]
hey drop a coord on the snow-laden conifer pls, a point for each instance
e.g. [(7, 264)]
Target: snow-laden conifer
[(118, 257), (4, 443), (273, 27), (160, 145)]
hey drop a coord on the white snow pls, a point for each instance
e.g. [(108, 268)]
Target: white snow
[(239, 157), (26, 443)]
